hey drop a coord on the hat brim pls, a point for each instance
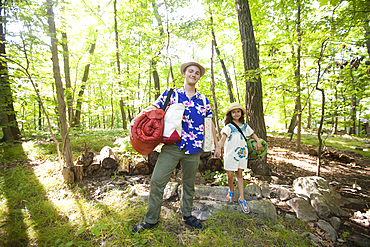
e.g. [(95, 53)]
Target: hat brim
[(236, 106), (185, 65)]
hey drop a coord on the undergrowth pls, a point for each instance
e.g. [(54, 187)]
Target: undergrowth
[(38, 209)]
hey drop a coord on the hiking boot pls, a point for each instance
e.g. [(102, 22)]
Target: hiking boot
[(143, 226), (193, 222)]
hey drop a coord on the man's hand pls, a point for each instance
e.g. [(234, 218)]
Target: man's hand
[(217, 152)]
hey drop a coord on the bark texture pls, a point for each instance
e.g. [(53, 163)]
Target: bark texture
[(253, 96), (67, 148)]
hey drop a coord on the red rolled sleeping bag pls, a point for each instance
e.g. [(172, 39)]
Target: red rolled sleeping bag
[(147, 131)]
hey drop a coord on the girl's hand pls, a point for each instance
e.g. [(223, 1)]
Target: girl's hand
[(259, 145)]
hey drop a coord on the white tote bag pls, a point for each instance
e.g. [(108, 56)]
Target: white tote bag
[(173, 122), (208, 141)]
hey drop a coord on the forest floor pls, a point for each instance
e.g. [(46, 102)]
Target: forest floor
[(351, 179)]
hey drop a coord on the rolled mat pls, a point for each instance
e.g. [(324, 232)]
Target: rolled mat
[(147, 131), (253, 153)]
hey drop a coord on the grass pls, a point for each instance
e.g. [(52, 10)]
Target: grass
[(38, 209)]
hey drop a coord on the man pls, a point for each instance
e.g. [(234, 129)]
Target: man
[(187, 150)]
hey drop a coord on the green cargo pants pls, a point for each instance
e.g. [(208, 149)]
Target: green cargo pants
[(167, 161)]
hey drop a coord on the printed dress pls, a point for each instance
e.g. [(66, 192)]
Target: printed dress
[(235, 149)]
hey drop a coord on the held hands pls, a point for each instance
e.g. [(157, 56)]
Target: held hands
[(217, 153)]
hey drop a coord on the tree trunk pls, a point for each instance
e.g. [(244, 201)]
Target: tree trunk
[(367, 36), (353, 104), (157, 86), (226, 73), (67, 148), (236, 81), (77, 116), (154, 59), (8, 119), (214, 93), (121, 105), (322, 106), (298, 77), (67, 76), (253, 96)]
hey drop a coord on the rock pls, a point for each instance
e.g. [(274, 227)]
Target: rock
[(170, 190), (166, 212), (313, 152), (252, 190), (274, 180), (265, 189), (315, 240), (326, 227), (317, 185), (217, 193), (303, 209), (320, 205), (335, 223), (284, 193), (261, 209)]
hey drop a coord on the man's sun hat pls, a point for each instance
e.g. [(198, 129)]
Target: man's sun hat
[(234, 106), (194, 62)]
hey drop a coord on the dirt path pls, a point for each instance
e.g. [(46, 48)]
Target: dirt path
[(351, 179)]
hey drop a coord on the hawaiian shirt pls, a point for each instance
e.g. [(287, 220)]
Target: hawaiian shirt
[(193, 118)]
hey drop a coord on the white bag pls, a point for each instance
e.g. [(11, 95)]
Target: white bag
[(208, 141), (173, 122)]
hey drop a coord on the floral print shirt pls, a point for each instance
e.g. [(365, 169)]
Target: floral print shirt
[(193, 118)]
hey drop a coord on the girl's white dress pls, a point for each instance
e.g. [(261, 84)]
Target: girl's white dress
[(235, 148)]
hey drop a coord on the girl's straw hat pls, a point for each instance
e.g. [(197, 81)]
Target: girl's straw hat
[(234, 106)]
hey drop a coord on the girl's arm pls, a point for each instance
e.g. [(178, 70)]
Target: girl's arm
[(259, 145), (222, 140)]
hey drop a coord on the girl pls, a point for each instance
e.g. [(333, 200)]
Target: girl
[(236, 150)]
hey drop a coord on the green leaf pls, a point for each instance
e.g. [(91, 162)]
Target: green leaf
[(144, 241), (80, 231), (70, 243), (102, 226), (95, 230)]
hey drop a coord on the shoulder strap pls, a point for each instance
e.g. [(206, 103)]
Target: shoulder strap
[(167, 99), (241, 132)]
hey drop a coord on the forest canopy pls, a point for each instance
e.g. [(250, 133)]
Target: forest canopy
[(117, 56)]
